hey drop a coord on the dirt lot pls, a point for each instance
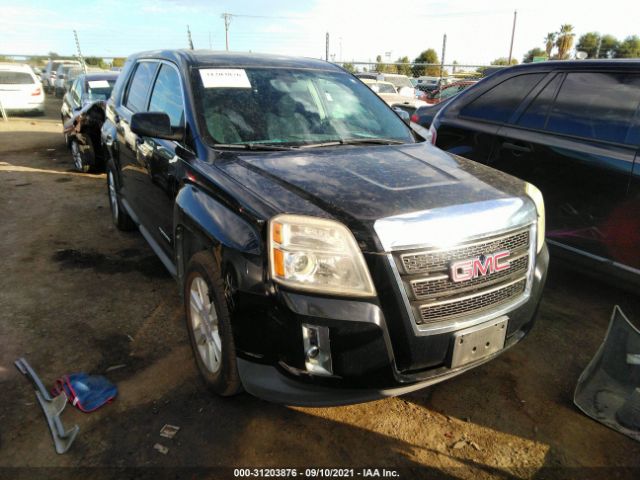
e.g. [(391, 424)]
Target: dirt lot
[(78, 295)]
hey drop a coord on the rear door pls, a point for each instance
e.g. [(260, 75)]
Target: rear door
[(575, 140), (472, 131)]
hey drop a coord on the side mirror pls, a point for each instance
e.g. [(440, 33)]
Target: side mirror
[(156, 125)]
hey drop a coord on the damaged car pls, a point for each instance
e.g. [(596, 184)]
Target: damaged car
[(325, 253), (82, 115)]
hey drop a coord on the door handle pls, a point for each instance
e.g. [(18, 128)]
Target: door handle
[(516, 147)]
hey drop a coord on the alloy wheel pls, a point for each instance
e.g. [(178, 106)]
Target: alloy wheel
[(205, 325)]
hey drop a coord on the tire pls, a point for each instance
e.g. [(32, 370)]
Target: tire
[(209, 326), (119, 216), (79, 157)]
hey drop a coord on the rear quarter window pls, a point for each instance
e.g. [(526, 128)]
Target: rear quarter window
[(501, 101), (597, 105)]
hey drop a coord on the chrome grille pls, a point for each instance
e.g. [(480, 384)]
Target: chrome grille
[(457, 307), (436, 300), (439, 260), (443, 283)]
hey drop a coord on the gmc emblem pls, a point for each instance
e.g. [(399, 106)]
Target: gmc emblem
[(464, 270)]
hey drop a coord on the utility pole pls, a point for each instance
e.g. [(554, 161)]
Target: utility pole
[(326, 48), (84, 65), (599, 47), (513, 33), (444, 49), (227, 20), (189, 37)]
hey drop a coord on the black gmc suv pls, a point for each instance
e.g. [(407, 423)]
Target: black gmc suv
[(572, 128), (325, 255)]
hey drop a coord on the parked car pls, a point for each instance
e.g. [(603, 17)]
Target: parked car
[(426, 81), (50, 71), (82, 114), (325, 256), (442, 93), (62, 75), (387, 91), (573, 129), (20, 89), (402, 83), (424, 116), (73, 73)]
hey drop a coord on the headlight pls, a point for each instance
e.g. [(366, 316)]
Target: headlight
[(536, 196), (318, 255)]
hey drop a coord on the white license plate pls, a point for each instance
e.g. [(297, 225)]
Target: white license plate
[(475, 343)]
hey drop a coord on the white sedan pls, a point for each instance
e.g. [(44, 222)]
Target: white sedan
[(20, 89), (387, 91)]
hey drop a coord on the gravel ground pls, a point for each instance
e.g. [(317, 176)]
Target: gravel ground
[(78, 295)]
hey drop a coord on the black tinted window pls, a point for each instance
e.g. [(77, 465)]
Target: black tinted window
[(596, 105), (535, 115), (167, 95), (499, 103), (139, 86)]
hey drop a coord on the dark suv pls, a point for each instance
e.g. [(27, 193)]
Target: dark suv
[(324, 253), (572, 128)]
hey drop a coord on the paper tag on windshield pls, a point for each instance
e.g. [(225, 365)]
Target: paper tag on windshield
[(98, 84), (224, 78)]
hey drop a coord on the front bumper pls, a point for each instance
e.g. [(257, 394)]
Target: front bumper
[(365, 359)]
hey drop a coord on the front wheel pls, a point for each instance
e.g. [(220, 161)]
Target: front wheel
[(209, 325), (120, 217)]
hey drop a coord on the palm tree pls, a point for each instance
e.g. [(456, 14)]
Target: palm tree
[(550, 41), (564, 42)]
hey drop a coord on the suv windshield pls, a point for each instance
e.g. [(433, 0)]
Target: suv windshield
[(99, 89), (292, 107)]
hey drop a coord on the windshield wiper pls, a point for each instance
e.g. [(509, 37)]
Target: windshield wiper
[(353, 141), (372, 141), (252, 146)]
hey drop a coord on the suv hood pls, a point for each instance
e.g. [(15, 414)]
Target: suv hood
[(358, 185)]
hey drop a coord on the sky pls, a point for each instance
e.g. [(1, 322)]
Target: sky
[(477, 31)]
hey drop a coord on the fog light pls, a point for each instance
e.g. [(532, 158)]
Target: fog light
[(317, 351)]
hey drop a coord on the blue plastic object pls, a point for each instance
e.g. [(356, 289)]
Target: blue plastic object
[(86, 392)]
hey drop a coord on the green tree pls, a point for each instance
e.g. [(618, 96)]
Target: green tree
[(384, 67), (564, 42), (589, 43), (405, 66), (96, 62), (549, 42), (53, 55), (504, 61), (427, 56), (119, 61), (609, 46), (349, 67), (534, 52), (629, 48)]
